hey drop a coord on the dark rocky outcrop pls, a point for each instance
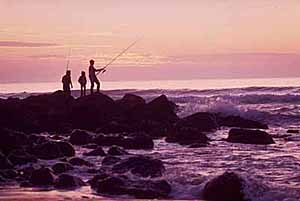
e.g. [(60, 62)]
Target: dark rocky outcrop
[(53, 149), (140, 165), (141, 189), (227, 187), (116, 151), (21, 157), (237, 121), (11, 140), (186, 136), (131, 101), (247, 136), (80, 137), (42, 177), (61, 167), (96, 152), (65, 181)]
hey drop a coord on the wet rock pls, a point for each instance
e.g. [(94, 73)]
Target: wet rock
[(21, 157), (42, 177), (79, 162), (117, 151), (186, 136), (227, 187), (110, 160), (137, 141), (293, 131), (36, 139), (26, 172), (237, 121), (108, 140), (246, 136), (131, 101), (61, 167), (53, 149), (141, 166), (96, 152), (9, 174), (90, 146), (11, 140), (202, 121), (80, 137), (65, 181), (142, 189), (103, 110), (114, 127), (96, 178)]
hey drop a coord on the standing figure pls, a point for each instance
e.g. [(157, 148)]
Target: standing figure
[(67, 82), (82, 82), (93, 76)]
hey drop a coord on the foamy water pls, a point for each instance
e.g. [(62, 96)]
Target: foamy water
[(272, 172)]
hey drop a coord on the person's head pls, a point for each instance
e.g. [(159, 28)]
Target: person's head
[(92, 62), (68, 72), (82, 73)]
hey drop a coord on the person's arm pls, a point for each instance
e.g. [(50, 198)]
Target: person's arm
[(100, 69)]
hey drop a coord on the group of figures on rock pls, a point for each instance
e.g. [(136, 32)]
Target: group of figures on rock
[(67, 80), (118, 125)]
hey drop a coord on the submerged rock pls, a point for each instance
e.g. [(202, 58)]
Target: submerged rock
[(237, 121), (110, 160), (42, 177), (141, 166), (227, 187), (186, 136), (247, 136), (65, 181), (96, 152), (80, 162), (116, 151), (61, 167), (53, 149), (293, 131), (141, 189)]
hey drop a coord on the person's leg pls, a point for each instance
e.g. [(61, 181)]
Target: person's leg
[(98, 85), (92, 86), (84, 90), (81, 90)]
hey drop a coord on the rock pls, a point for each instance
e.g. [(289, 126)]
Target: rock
[(53, 149), (96, 152), (143, 189), (108, 140), (131, 101), (110, 160), (26, 172), (21, 157), (4, 162), (186, 136), (61, 167), (42, 177), (202, 121), (93, 111), (90, 146), (96, 178), (140, 165), (246, 136), (293, 131), (65, 181), (114, 127), (11, 140), (80, 137), (227, 187), (116, 151), (9, 174), (237, 121), (138, 141), (79, 162), (198, 145)]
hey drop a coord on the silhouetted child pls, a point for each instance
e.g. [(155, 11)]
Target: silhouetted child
[(82, 82), (67, 82)]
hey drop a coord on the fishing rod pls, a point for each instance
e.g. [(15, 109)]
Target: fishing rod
[(68, 61), (119, 55)]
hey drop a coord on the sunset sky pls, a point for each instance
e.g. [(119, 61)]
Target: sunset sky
[(179, 39)]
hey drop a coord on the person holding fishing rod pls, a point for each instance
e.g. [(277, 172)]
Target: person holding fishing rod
[(93, 76)]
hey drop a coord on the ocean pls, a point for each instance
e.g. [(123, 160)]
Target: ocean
[(272, 172)]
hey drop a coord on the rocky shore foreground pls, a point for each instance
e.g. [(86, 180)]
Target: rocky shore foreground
[(50, 126)]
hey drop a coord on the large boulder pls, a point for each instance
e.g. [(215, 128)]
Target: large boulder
[(138, 141), (80, 137), (227, 187), (202, 121), (93, 111), (131, 101), (65, 181), (247, 136), (79, 162), (186, 136), (61, 167), (141, 189), (42, 177), (237, 121), (141, 166), (53, 149)]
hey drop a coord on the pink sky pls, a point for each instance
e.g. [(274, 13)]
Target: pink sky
[(180, 39)]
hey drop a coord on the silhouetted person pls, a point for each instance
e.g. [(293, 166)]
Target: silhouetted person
[(82, 82), (67, 82), (93, 76)]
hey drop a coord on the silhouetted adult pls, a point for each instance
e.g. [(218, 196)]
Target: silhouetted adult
[(93, 76), (67, 82), (82, 82)]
